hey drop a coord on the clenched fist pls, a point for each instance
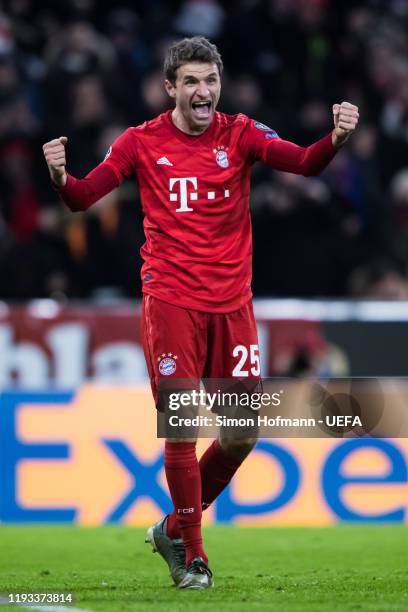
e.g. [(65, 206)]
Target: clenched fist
[(345, 117), (54, 153)]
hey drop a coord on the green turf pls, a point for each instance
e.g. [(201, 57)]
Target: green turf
[(111, 569)]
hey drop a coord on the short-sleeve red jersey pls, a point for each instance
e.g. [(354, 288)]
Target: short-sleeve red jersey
[(195, 197)]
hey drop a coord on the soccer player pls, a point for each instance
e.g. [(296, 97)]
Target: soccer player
[(193, 166)]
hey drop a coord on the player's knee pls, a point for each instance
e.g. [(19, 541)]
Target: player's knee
[(239, 448)]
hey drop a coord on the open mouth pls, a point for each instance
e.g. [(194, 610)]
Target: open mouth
[(202, 109)]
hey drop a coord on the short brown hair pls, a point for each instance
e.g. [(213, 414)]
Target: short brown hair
[(195, 49)]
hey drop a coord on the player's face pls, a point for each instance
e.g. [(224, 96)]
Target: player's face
[(196, 92)]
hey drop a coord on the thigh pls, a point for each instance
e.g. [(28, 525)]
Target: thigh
[(174, 343), (233, 350), (233, 368)]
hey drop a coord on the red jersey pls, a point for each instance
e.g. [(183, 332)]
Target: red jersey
[(195, 197)]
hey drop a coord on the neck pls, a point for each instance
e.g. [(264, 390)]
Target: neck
[(182, 125)]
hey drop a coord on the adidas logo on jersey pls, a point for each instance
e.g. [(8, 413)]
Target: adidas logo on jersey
[(164, 161)]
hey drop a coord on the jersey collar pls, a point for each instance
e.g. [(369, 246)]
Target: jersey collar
[(189, 138)]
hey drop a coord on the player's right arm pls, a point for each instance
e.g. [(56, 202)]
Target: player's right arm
[(80, 194)]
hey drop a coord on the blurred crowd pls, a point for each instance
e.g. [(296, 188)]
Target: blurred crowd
[(88, 70)]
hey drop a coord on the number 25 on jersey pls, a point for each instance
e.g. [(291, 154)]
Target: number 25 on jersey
[(248, 361)]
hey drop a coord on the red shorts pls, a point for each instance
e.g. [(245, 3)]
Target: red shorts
[(187, 344)]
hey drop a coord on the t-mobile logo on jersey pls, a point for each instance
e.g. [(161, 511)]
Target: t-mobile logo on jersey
[(186, 196)]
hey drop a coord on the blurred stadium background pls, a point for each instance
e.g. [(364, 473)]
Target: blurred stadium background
[(330, 266)]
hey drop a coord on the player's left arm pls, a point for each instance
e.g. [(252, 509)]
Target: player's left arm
[(345, 117), (309, 161)]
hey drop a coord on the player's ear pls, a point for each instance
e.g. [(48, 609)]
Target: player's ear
[(170, 88)]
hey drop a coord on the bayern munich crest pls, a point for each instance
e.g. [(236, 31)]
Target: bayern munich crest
[(221, 157), (167, 364)]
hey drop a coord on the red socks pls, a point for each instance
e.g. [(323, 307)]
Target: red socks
[(194, 486), (217, 469), (184, 480)]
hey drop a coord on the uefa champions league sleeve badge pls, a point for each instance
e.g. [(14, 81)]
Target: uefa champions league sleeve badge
[(269, 132)]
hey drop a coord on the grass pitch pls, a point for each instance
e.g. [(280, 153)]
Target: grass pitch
[(291, 570)]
